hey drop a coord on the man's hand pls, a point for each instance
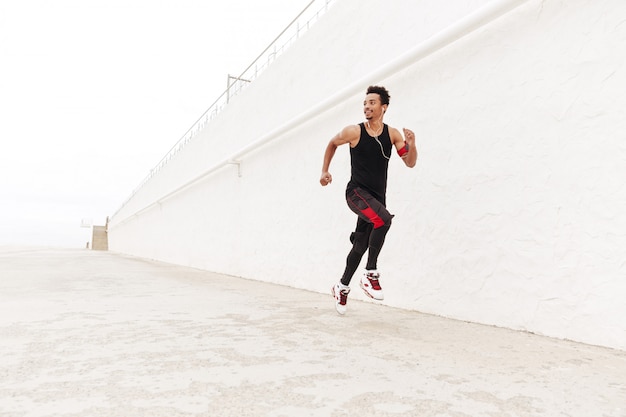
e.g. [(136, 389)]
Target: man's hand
[(326, 179), (409, 136)]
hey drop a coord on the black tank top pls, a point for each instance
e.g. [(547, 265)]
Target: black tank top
[(370, 159)]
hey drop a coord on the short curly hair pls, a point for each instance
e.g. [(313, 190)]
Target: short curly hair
[(381, 91)]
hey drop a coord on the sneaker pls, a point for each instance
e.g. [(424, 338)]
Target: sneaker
[(371, 286), (341, 297)]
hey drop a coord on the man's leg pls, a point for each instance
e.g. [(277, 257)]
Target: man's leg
[(360, 239), (373, 211), (376, 241)]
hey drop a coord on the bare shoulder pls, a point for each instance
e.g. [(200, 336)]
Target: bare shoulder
[(348, 134), (352, 131)]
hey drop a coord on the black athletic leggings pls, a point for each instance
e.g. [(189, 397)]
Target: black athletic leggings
[(371, 228)]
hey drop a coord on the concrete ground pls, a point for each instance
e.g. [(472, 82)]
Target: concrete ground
[(85, 333)]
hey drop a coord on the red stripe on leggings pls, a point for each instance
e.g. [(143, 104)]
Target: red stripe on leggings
[(371, 214)]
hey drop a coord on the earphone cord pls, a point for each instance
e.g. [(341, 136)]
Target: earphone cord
[(381, 148), (382, 151)]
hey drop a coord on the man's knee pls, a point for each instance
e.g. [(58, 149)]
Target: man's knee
[(386, 220), (360, 241)]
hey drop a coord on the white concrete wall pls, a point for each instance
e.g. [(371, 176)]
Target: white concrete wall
[(515, 215)]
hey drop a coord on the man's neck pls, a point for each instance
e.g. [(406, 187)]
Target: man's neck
[(375, 127)]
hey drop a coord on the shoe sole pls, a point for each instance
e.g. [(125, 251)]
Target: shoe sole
[(370, 295)]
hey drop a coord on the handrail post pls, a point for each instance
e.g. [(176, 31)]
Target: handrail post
[(228, 85)]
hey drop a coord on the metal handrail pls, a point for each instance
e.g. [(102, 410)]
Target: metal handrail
[(262, 61)]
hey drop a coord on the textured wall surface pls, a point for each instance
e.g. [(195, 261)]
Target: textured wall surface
[(515, 215)]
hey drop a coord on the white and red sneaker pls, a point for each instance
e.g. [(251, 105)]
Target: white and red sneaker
[(371, 285), (340, 292)]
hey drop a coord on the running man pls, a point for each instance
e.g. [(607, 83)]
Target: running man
[(371, 146)]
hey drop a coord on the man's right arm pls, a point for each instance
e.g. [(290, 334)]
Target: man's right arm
[(349, 134)]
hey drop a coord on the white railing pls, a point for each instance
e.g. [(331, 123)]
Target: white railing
[(235, 84)]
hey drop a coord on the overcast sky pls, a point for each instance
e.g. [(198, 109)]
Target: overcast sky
[(94, 92)]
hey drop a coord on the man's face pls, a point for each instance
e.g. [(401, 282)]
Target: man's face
[(372, 106)]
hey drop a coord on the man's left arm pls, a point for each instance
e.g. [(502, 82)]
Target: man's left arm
[(405, 146)]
